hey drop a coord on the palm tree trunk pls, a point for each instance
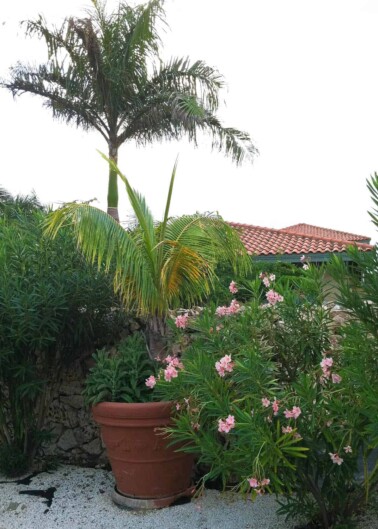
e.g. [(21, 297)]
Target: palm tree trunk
[(113, 184), (156, 330)]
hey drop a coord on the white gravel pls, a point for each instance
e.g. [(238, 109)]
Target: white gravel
[(82, 501)]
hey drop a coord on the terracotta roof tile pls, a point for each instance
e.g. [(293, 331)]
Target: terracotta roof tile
[(269, 241), (308, 229)]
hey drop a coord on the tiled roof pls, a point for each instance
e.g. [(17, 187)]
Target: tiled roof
[(269, 241), (308, 229)]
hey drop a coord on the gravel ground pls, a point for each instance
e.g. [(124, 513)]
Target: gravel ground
[(81, 500)]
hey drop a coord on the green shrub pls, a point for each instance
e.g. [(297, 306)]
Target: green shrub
[(54, 308), (264, 399), (13, 461), (120, 375)]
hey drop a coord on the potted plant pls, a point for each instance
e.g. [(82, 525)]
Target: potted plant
[(157, 267), (148, 472)]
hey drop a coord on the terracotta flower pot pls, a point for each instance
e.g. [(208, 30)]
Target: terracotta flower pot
[(148, 473)]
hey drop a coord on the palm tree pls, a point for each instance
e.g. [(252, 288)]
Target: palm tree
[(18, 206), (104, 73), (157, 266)]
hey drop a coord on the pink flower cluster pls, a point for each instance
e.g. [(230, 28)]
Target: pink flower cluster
[(151, 382), (267, 279), (227, 311), (287, 429), (224, 365), (326, 365), (294, 413), (275, 405), (257, 485), (225, 425), (182, 321), (273, 297), (336, 459), (173, 363), (233, 288)]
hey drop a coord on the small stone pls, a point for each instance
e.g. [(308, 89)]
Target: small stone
[(67, 441), (93, 448), (12, 506), (75, 401)]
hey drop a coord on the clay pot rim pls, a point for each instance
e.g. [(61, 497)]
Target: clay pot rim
[(141, 410)]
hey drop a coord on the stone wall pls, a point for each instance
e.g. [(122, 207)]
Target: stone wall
[(75, 436)]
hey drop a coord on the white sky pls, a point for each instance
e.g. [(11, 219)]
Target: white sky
[(302, 79)]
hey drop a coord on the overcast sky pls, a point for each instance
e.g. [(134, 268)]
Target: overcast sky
[(302, 79)]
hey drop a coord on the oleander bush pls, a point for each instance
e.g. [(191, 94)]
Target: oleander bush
[(54, 308), (264, 396)]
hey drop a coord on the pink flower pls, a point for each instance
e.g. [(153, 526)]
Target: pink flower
[(178, 406), (221, 311), (273, 297), (348, 449), (227, 311), (296, 411), (227, 424), (233, 288), (169, 373), (234, 307), (272, 277), (303, 258), (305, 267), (151, 382), (265, 402), (182, 321), (326, 362), (275, 406), (253, 483), (224, 365), (287, 429), (293, 414), (336, 459), (173, 361), (261, 275), (336, 379), (266, 282)]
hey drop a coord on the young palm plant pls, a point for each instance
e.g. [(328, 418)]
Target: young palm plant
[(104, 73), (157, 266)]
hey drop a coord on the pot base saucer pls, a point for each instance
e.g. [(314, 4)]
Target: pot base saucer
[(130, 502)]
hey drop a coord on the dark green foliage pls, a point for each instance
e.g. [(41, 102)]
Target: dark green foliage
[(277, 352), (54, 308), (120, 376), (248, 284), (13, 461)]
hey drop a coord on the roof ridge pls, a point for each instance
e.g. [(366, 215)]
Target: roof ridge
[(327, 229), (328, 239)]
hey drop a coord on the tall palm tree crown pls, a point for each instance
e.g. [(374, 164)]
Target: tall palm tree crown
[(103, 72)]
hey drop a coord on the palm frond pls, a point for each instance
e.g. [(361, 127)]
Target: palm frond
[(372, 186), (140, 208), (102, 241)]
